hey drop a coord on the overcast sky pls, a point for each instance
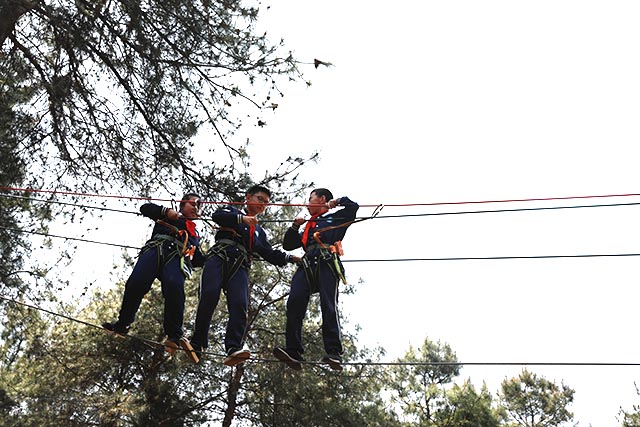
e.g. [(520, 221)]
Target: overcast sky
[(467, 101)]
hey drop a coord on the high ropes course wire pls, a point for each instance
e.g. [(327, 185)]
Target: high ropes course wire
[(155, 344), (152, 343), (102, 208), (358, 219), (72, 193), (365, 260), (18, 230), (376, 217)]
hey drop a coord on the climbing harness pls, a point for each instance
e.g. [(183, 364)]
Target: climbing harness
[(329, 253), (187, 250), (231, 263), (183, 249)]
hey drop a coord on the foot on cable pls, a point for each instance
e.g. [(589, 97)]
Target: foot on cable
[(334, 361), (171, 346), (117, 328), (236, 356), (189, 350), (293, 359), (198, 350)]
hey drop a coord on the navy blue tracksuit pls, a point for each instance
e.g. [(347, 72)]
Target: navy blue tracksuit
[(227, 268), (319, 275), (161, 258)]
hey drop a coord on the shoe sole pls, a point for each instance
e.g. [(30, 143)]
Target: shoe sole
[(283, 356), (333, 364), (170, 347), (188, 348), (116, 333), (237, 358)]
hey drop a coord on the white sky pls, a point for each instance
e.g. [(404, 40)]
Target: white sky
[(463, 101)]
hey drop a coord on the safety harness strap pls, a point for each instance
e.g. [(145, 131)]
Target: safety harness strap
[(326, 255), (231, 264), (157, 241)]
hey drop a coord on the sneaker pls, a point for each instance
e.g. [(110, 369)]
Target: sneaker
[(198, 349), (293, 360), (334, 361), (189, 350), (170, 346), (116, 328), (235, 356)]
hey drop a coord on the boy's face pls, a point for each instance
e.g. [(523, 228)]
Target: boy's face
[(257, 203), (316, 204), (191, 208)]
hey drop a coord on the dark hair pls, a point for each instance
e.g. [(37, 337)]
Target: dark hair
[(323, 192), (258, 189), (186, 197)]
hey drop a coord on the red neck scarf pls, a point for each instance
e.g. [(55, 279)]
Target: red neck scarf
[(311, 224), (191, 228), (252, 233)]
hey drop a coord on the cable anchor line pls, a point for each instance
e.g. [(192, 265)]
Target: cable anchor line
[(78, 239), (156, 344), (507, 210), (532, 199), (57, 202), (359, 218), (493, 258), (149, 343), (367, 260)]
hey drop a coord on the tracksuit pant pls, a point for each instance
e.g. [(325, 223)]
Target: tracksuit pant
[(237, 291), (146, 270), (326, 284)]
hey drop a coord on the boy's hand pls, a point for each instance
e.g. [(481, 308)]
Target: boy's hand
[(172, 215), (249, 220)]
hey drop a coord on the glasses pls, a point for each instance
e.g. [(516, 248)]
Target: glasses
[(261, 199), (196, 203)]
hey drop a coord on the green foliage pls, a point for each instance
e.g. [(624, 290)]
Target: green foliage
[(12, 172), (533, 401), (59, 372), (417, 382), (631, 418), (318, 397), (464, 406), (71, 374), (421, 387), (117, 91)]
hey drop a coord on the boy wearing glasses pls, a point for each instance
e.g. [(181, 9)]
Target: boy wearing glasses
[(169, 255), (227, 268)]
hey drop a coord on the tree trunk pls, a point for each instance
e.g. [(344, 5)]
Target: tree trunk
[(232, 395), (10, 12)]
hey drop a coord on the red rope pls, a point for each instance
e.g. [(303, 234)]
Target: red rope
[(71, 193), (508, 200)]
